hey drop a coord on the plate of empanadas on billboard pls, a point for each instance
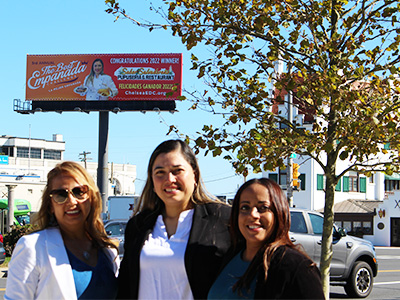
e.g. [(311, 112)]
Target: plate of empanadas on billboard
[(104, 92), (80, 89)]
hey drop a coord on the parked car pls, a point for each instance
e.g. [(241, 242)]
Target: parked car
[(116, 230), (2, 253), (354, 262)]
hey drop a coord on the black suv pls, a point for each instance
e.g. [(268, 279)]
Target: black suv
[(354, 262)]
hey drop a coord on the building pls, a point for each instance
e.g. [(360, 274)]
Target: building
[(368, 207), (25, 162)]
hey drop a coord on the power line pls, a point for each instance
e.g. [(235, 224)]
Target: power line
[(219, 179)]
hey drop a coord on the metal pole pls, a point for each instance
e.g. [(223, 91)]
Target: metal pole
[(10, 217), (289, 169), (102, 167)]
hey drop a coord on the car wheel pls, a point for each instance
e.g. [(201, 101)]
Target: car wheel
[(359, 284)]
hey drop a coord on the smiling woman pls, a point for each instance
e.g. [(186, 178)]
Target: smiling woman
[(263, 262), (175, 242), (54, 262)]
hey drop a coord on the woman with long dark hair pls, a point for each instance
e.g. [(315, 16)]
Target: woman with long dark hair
[(175, 242), (97, 85), (264, 262)]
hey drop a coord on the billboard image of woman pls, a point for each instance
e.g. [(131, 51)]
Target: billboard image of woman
[(97, 85)]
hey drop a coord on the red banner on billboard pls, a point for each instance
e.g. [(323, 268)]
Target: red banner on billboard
[(104, 77)]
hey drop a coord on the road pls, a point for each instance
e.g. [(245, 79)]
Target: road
[(386, 284)]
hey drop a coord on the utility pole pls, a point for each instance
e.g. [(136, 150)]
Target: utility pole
[(84, 157), (10, 218), (289, 168)]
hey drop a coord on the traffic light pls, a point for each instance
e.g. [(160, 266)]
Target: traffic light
[(296, 175)]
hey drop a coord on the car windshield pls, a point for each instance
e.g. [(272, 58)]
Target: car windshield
[(23, 220)]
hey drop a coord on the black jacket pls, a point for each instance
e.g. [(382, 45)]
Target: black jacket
[(291, 275), (209, 240)]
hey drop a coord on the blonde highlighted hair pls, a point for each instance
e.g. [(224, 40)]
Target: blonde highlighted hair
[(94, 225)]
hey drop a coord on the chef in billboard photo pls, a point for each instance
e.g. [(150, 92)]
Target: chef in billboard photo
[(97, 85)]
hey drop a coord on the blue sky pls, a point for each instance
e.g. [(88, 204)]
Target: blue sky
[(74, 27)]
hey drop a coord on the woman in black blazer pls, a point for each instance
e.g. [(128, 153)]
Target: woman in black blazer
[(264, 263), (176, 240)]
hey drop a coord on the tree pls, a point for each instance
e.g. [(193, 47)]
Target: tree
[(342, 61)]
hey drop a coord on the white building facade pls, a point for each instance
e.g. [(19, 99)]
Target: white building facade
[(368, 207)]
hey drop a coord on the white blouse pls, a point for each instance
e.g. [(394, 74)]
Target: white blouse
[(101, 82), (162, 261)]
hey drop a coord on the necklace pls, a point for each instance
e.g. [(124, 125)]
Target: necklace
[(86, 255)]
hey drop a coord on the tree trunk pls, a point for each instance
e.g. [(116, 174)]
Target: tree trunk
[(326, 249)]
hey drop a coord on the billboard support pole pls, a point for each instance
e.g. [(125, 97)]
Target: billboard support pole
[(102, 167)]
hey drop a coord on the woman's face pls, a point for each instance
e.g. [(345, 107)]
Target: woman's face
[(97, 67), (72, 214), (174, 180), (256, 221)]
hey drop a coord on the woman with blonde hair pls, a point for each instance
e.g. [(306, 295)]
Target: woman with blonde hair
[(70, 256), (176, 240)]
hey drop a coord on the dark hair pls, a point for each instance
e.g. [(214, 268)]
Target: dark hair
[(93, 225), (149, 199), (91, 75), (280, 236)]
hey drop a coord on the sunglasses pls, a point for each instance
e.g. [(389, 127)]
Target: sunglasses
[(61, 195)]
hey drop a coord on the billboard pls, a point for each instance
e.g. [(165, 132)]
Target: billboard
[(75, 77)]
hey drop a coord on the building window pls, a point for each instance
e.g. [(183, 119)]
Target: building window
[(347, 225), (356, 227), (371, 179), (353, 184), (7, 151), (367, 227), (24, 152), (392, 185), (302, 178), (338, 223), (52, 154), (282, 178), (273, 176)]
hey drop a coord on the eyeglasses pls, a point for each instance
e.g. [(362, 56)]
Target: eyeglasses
[(61, 195)]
